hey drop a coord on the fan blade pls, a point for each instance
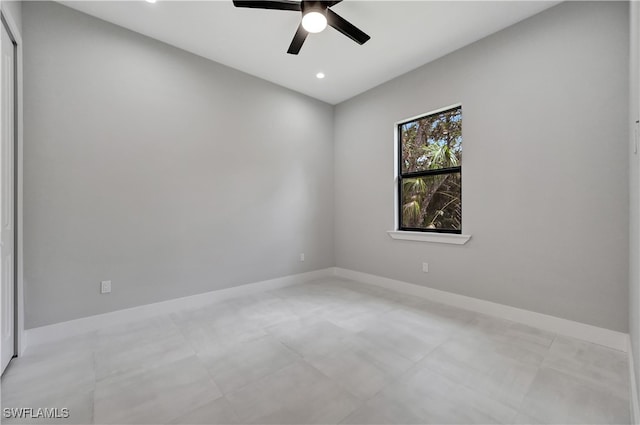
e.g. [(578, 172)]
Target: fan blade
[(298, 40), (330, 3), (274, 4), (346, 28)]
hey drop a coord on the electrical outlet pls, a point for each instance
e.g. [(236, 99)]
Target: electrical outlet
[(105, 287), (425, 267), (302, 256)]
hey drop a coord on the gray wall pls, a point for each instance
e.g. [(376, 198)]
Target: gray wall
[(172, 175), (634, 190), (162, 171), (545, 172)]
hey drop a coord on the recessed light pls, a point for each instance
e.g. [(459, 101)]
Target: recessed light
[(320, 75), (150, 1)]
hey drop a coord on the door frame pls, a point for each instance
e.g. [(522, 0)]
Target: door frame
[(20, 342)]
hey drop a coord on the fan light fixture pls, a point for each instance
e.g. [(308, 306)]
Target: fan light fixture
[(314, 21), (316, 16)]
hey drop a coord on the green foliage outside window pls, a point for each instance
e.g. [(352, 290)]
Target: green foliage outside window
[(431, 172)]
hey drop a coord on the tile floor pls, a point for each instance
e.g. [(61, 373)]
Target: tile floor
[(331, 351)]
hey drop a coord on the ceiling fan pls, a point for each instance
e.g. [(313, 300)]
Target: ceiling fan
[(316, 15)]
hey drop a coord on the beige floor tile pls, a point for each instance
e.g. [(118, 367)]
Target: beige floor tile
[(557, 397), (295, 394), (428, 397), (217, 412), (331, 351), (145, 354), (591, 362), (313, 339), (485, 368), (157, 395), (233, 367)]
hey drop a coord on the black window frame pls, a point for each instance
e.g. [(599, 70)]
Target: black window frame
[(439, 171)]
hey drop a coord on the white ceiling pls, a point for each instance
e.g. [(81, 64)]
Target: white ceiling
[(404, 35)]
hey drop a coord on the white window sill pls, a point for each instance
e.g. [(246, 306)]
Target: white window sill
[(450, 238)]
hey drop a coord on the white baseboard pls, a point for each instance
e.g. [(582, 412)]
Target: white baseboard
[(58, 331), (583, 331), (633, 387)]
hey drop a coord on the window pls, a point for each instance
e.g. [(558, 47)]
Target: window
[(430, 172)]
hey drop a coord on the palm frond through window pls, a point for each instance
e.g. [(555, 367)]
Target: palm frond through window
[(430, 172)]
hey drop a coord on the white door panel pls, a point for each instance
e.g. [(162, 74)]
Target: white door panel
[(7, 91)]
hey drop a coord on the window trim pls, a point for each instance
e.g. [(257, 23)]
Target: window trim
[(420, 234), (448, 238)]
